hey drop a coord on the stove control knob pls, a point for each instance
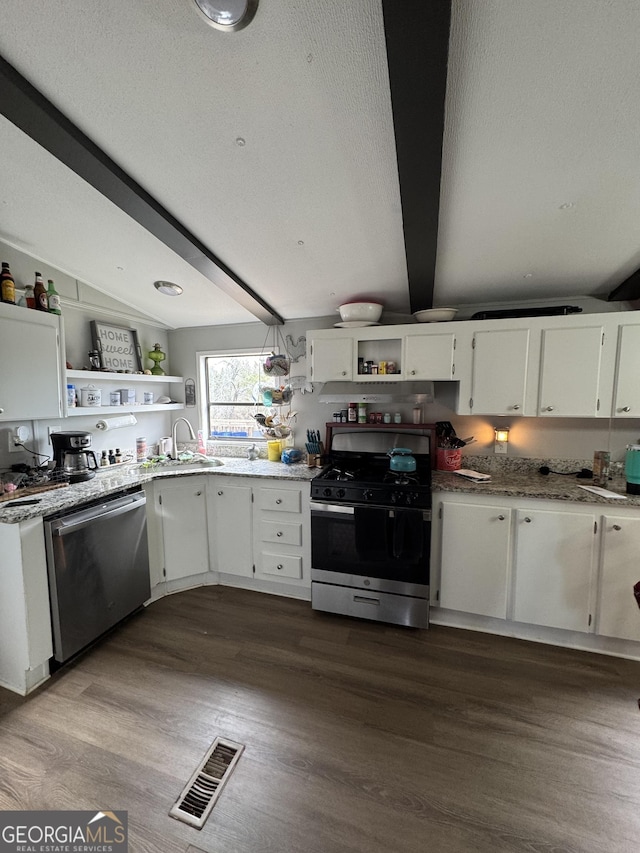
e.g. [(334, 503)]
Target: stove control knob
[(340, 493), (394, 497), (327, 493), (367, 495), (408, 498)]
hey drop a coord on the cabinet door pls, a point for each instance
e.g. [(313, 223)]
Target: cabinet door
[(570, 372), (554, 569), (475, 558), (231, 520), (30, 358), (429, 356), (499, 373), (627, 393), (331, 359), (184, 527), (618, 614)]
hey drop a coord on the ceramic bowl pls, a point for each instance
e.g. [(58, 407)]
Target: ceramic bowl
[(435, 315), (360, 312)]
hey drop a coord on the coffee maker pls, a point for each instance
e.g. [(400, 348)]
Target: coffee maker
[(74, 462)]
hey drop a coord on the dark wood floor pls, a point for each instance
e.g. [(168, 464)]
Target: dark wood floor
[(359, 737)]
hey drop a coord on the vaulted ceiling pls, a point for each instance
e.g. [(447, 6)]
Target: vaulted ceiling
[(275, 148)]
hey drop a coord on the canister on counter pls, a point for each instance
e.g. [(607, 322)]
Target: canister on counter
[(141, 449), (114, 398), (601, 466)]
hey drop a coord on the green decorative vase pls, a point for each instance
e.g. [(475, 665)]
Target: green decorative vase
[(156, 355)]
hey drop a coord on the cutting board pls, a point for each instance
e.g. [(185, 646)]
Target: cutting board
[(25, 491)]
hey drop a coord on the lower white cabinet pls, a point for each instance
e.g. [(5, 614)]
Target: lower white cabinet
[(475, 567), (554, 568), (182, 507), (230, 526), (282, 547), (618, 614)]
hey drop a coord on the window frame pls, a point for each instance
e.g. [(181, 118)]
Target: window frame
[(203, 384)]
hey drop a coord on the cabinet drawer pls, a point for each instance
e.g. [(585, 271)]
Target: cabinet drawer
[(283, 533), (282, 565), (281, 500)]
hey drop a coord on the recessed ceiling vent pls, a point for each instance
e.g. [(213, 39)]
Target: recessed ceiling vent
[(201, 792)]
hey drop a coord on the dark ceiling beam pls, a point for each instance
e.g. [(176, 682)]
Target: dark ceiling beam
[(26, 108), (417, 37)]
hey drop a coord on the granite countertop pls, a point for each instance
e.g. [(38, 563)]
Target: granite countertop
[(111, 480), (532, 484)]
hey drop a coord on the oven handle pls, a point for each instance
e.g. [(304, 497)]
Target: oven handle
[(350, 509)]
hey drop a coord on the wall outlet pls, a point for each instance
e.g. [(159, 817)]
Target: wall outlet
[(17, 436)]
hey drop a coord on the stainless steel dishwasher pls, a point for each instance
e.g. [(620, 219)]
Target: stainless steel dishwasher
[(98, 566)]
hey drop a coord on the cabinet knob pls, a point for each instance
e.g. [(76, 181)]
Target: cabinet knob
[(1, 411), (527, 519), (548, 408), (221, 492), (617, 527), (501, 518), (625, 409), (279, 500), (279, 566), (344, 372), (515, 407), (198, 494), (279, 533), (412, 372)]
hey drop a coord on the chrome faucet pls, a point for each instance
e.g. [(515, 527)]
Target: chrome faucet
[(174, 435)]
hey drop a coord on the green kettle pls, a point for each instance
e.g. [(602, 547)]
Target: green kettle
[(632, 469)]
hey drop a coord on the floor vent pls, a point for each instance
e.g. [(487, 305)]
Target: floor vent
[(201, 792)]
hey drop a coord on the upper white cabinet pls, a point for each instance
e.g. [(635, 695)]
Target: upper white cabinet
[(30, 354), (429, 356), (570, 371), (500, 363), (626, 400), (331, 359)]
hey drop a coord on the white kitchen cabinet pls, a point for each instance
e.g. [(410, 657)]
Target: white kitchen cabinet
[(554, 568), (570, 371), (182, 506), (429, 355), (618, 614), (30, 354), (627, 388), (282, 542), (230, 526), (331, 359), (500, 363), (476, 556)]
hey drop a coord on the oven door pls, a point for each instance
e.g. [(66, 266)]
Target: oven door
[(388, 547)]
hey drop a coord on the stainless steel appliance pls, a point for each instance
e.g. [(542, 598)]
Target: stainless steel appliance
[(98, 566), (73, 459), (371, 528)]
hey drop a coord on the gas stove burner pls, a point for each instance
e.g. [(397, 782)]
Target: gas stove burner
[(397, 479), (340, 474)]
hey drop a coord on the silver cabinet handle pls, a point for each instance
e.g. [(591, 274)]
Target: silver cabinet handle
[(625, 409), (221, 493), (527, 519), (501, 518), (617, 527), (279, 501), (515, 407), (279, 566), (279, 533), (548, 408)]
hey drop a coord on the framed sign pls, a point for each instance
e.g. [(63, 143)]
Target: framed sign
[(118, 347)]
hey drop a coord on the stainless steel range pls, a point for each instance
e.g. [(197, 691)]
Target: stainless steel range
[(371, 528)]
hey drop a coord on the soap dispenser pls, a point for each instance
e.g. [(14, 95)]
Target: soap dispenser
[(253, 453)]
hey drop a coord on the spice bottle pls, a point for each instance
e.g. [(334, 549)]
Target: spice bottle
[(112, 458), (362, 413), (7, 285), (29, 298), (103, 459), (352, 415), (53, 298), (40, 293), (118, 456)]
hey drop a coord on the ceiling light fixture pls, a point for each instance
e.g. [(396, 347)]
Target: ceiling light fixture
[(227, 15), (168, 288)]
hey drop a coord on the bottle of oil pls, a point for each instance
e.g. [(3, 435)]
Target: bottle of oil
[(53, 298), (7, 285)]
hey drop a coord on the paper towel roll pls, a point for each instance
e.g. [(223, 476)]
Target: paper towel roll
[(117, 422)]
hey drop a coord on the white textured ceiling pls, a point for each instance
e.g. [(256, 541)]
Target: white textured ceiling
[(542, 112)]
